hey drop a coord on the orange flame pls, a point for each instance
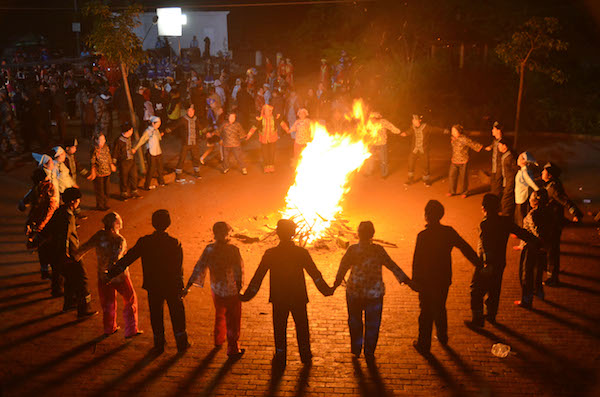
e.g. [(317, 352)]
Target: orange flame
[(324, 172)]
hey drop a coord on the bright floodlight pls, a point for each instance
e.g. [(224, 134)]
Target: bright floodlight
[(170, 21)]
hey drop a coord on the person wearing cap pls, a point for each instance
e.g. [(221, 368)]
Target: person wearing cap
[(524, 185), (419, 148), (379, 147), (508, 171), (122, 154), (42, 202), (226, 266), (231, 134), (287, 263), (162, 265), (63, 239), (302, 132), (494, 231), (152, 137), (496, 181), (110, 246), (365, 288), (45, 163), (102, 166), (539, 222), (190, 129), (267, 136), (558, 202), (432, 273)]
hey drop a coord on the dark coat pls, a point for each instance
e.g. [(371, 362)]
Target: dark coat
[(493, 237)]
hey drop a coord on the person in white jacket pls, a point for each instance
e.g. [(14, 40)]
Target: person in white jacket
[(152, 137)]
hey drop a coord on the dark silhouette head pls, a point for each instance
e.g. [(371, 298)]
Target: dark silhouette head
[(366, 231), (491, 204), (434, 211), (221, 230), (286, 229), (161, 220)]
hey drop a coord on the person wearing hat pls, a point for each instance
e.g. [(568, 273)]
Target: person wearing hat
[(226, 266), (45, 163), (63, 176), (419, 148), (267, 136), (162, 265), (190, 129), (63, 239), (558, 202), (432, 273), (508, 171), (365, 288), (496, 181), (231, 134), (43, 202), (287, 263), (302, 132), (110, 246), (122, 154), (524, 185), (152, 137), (379, 147)]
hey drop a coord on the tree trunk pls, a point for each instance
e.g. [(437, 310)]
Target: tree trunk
[(519, 99), (132, 114)]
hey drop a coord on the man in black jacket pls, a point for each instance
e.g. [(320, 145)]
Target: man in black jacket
[(494, 231), (432, 273), (162, 259), (287, 263), (122, 154), (190, 129), (61, 235), (558, 202), (419, 149)]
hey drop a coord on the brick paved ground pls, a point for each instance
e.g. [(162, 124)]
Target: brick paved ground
[(555, 346)]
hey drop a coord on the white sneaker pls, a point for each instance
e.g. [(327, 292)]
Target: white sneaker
[(244, 171)]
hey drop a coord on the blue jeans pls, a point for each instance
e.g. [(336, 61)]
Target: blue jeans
[(372, 309)]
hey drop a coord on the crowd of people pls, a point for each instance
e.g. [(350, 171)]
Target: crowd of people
[(525, 200)]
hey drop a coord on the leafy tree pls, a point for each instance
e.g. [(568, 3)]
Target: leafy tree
[(531, 48), (112, 36)]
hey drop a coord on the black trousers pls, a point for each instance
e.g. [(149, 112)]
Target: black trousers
[(281, 313), (487, 280), (194, 152), (412, 161), (508, 201), (458, 174), (553, 255), (432, 301), (155, 164), (76, 282), (496, 183), (531, 271), (128, 176), (521, 211), (47, 257), (156, 303), (101, 189), (268, 153)]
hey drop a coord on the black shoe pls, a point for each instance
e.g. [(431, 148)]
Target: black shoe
[(183, 347), (57, 293), (157, 350), (422, 350), (68, 307), (490, 319), (552, 282), (238, 355), (134, 335), (86, 313), (443, 341), (105, 208), (45, 274), (136, 194)]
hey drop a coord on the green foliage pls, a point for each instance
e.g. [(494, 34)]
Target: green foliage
[(533, 47), (112, 34)]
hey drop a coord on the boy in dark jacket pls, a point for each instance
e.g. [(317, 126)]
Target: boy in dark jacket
[(123, 157), (190, 129), (162, 259), (432, 273), (287, 263)]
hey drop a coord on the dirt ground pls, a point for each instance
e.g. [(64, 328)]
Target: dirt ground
[(557, 346)]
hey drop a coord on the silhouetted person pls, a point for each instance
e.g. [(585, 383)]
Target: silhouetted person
[(494, 231), (64, 243), (365, 288), (558, 202), (287, 263), (162, 259), (432, 273)]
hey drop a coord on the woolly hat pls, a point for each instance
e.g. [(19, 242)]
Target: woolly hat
[(553, 169), (58, 151), (71, 142), (41, 159)]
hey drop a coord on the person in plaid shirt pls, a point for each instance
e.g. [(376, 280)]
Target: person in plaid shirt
[(231, 134), (460, 160), (365, 288), (226, 277)]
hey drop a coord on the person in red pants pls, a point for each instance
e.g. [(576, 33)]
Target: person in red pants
[(226, 266), (110, 247)]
